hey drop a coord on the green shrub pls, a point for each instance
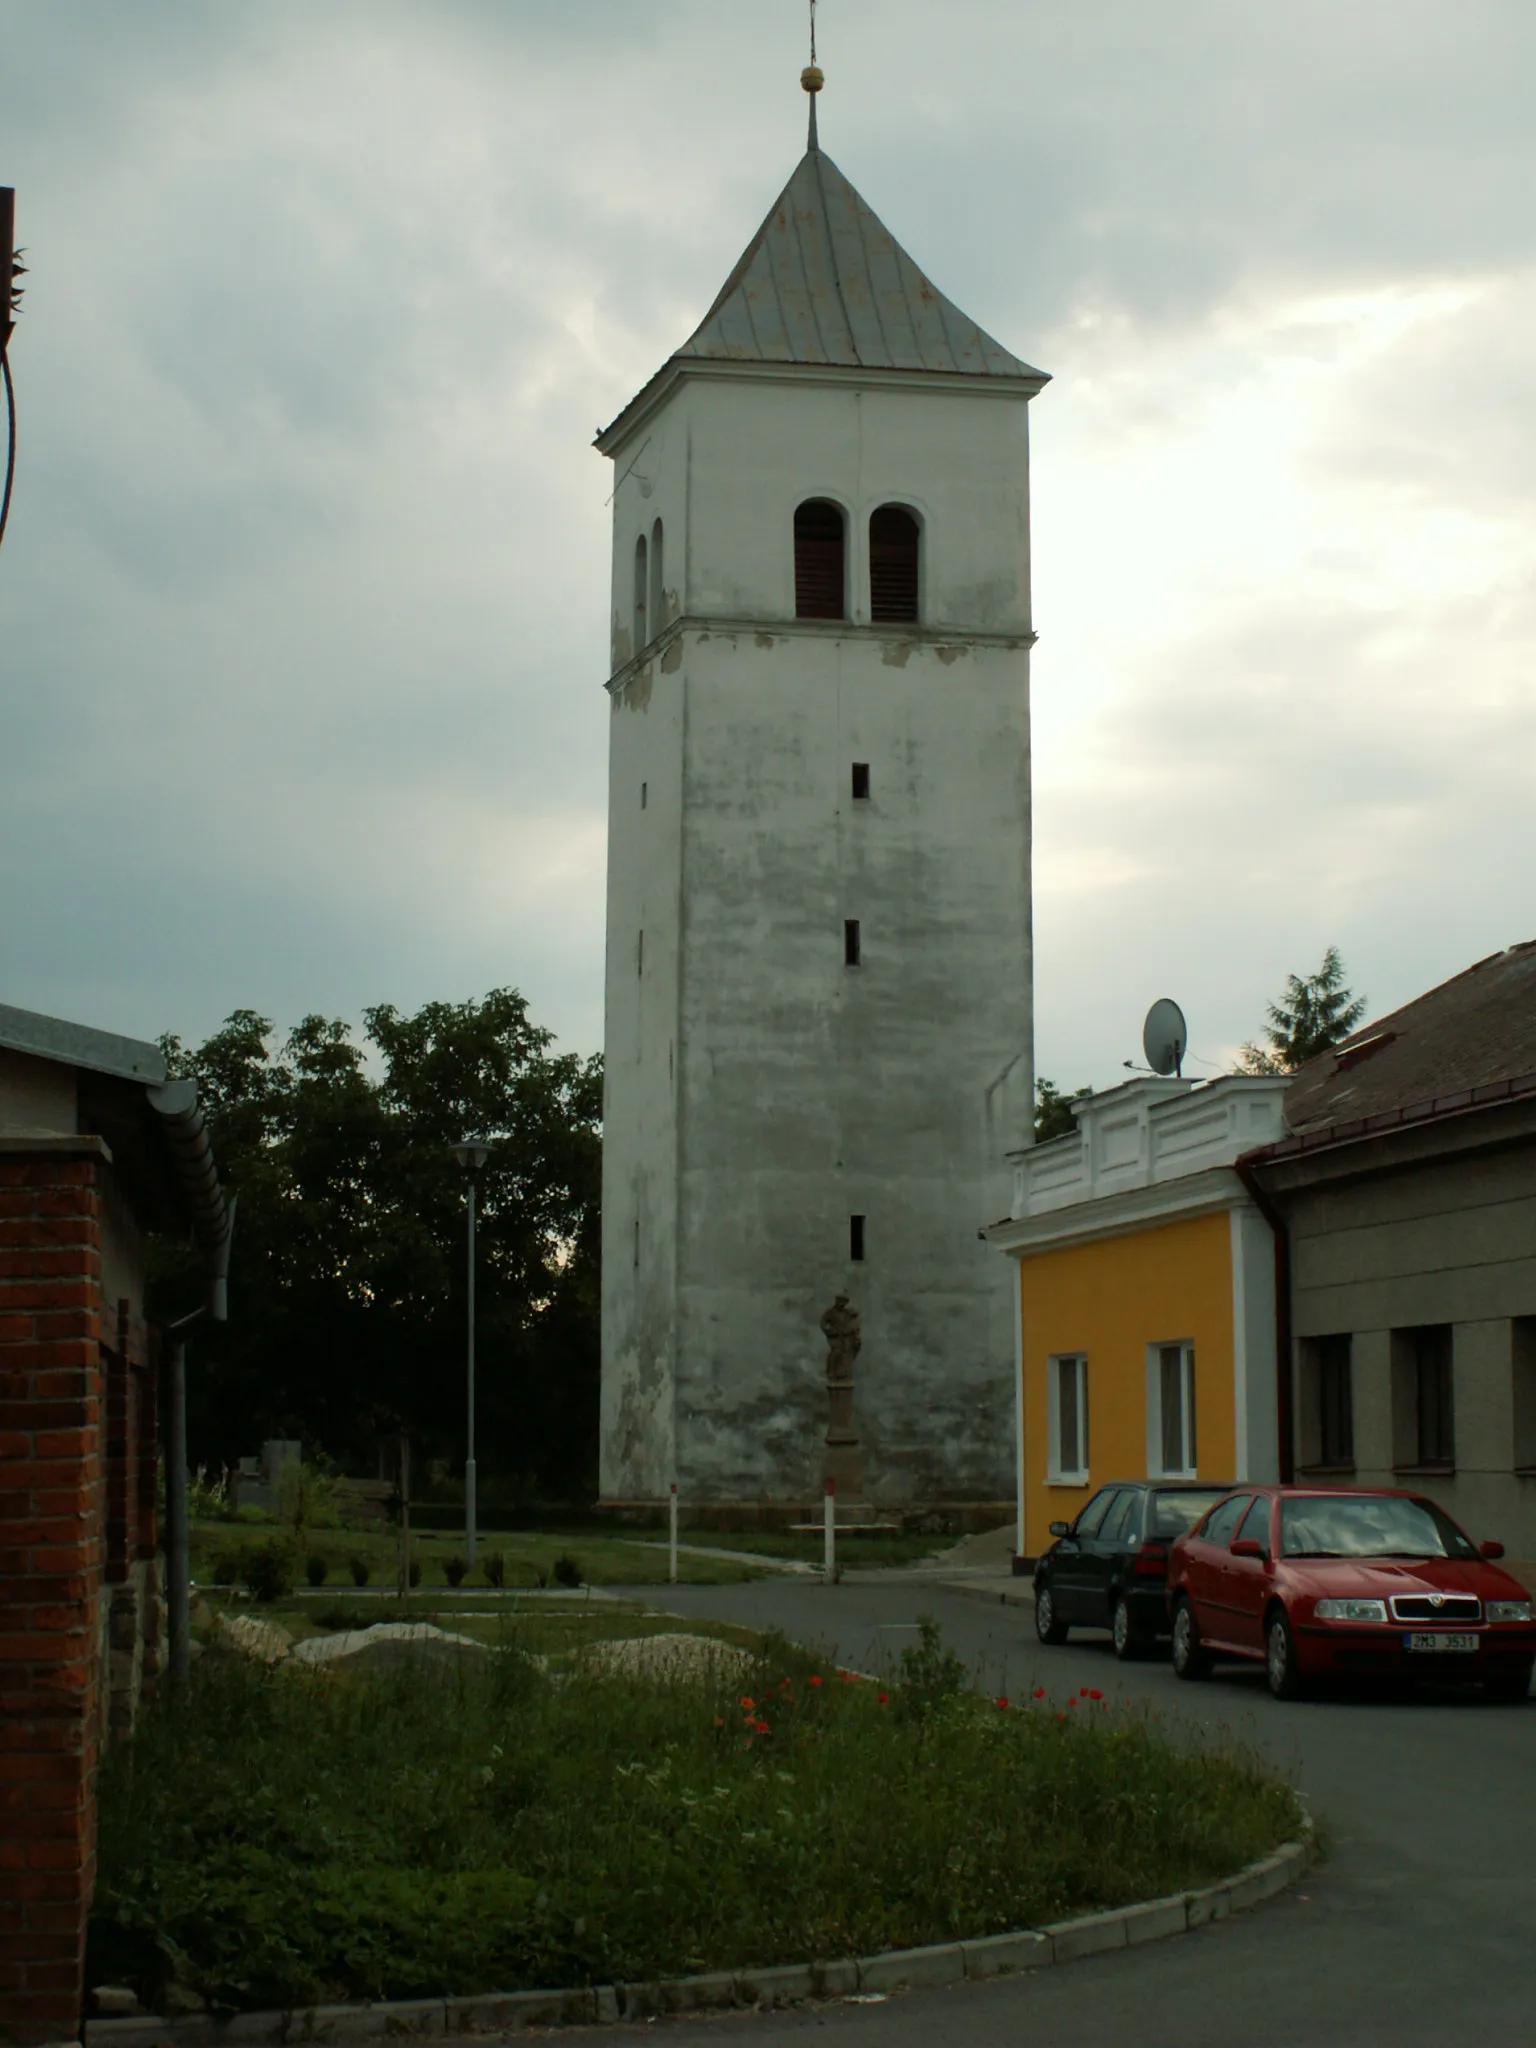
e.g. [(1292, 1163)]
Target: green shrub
[(567, 1571), (360, 1570), (228, 1566), (495, 1568), (267, 1569), (280, 1836), (455, 1570), (316, 1568)]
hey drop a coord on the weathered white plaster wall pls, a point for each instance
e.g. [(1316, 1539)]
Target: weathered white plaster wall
[(759, 1092)]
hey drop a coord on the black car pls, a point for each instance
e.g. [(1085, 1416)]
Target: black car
[(1109, 1568)]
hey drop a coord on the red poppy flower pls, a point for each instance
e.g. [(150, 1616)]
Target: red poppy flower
[(815, 1678), (718, 1722), (1039, 1692), (1095, 1694), (761, 1728), (1085, 1692), (1002, 1700), (884, 1698)]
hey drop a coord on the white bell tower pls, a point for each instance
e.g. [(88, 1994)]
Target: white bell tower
[(819, 1034)]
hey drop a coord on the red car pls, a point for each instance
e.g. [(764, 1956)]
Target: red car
[(1316, 1584)]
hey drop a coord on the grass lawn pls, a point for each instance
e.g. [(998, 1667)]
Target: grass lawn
[(285, 1835), (529, 1555)]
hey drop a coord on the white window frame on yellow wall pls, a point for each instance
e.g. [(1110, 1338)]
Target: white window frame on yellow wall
[(1058, 1472), (1158, 1465)]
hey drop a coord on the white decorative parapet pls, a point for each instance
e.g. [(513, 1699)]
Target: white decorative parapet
[(1148, 1131)]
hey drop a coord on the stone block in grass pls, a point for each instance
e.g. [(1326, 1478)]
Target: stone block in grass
[(1003, 1955), (912, 1968)]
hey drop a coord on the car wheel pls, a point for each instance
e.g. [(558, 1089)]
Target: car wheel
[(1129, 1640), (1049, 1626), (1509, 1690), (1280, 1666), (1191, 1659)]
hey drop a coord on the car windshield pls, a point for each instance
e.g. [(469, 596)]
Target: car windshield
[(1368, 1525), (1174, 1513)]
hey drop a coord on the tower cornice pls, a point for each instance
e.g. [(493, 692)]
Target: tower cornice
[(941, 640), (648, 401)]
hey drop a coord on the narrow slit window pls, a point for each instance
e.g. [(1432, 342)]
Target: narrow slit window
[(637, 1241), (656, 610), (644, 788), (851, 942), (641, 595), (856, 1237), (860, 780), (893, 562), (820, 552), (640, 952)]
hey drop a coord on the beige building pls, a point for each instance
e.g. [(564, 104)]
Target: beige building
[(1407, 1193)]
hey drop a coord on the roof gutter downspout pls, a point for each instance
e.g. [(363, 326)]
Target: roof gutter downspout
[(175, 1102), (1286, 1435)]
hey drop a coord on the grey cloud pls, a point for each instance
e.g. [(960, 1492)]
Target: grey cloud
[(303, 607)]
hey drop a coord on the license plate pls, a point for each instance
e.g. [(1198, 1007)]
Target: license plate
[(1443, 1639)]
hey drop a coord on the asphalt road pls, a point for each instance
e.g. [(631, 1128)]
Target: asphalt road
[(1419, 1931)]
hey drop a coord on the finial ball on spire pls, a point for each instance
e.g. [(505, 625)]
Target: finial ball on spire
[(813, 78)]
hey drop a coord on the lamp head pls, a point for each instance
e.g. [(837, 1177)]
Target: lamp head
[(471, 1154)]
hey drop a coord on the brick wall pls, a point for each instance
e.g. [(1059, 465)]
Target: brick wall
[(52, 1554)]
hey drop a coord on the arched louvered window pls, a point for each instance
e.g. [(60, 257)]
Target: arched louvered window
[(641, 595), (658, 611), (893, 552), (820, 551)]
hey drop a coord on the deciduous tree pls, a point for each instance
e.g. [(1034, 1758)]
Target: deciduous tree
[(347, 1285)]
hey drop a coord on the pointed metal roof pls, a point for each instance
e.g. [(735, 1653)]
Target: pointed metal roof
[(825, 282)]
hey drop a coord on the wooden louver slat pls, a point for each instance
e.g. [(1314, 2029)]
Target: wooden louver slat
[(893, 544), (819, 555)]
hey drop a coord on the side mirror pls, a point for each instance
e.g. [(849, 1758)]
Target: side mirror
[(1246, 1546), (1490, 1550), (1061, 1528)]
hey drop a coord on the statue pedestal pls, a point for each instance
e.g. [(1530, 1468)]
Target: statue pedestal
[(842, 1458)]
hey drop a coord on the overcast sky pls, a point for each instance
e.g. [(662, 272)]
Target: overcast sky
[(303, 606)]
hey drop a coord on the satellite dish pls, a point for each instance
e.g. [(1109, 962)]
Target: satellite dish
[(1164, 1037)]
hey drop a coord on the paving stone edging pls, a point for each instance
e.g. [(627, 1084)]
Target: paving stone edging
[(901, 1969)]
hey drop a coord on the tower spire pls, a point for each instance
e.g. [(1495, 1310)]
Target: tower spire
[(811, 78)]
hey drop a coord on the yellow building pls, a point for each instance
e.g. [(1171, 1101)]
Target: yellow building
[(1147, 1298)]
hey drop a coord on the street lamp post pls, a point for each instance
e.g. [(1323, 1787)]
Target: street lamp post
[(471, 1157)]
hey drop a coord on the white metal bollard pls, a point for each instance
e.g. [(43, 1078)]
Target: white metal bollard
[(829, 1533), (672, 1537)]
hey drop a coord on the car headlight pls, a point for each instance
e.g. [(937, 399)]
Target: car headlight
[(1351, 1610), (1509, 1610)]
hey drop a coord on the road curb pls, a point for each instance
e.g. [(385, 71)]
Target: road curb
[(902, 1969)]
